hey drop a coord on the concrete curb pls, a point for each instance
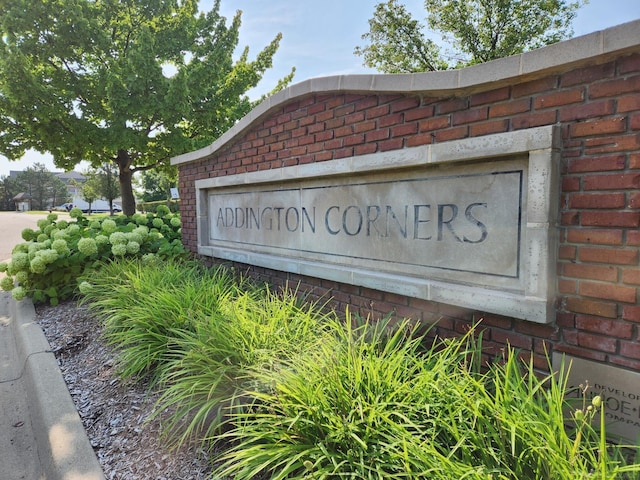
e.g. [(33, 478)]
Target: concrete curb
[(62, 443)]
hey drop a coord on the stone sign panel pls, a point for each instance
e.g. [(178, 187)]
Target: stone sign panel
[(429, 222), (619, 388), (401, 224)]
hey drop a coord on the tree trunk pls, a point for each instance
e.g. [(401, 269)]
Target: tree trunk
[(125, 176)]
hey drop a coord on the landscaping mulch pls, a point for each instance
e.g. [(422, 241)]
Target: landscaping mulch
[(117, 415)]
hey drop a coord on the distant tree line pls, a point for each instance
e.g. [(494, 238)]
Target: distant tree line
[(44, 188)]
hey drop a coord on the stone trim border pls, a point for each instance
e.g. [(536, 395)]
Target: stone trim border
[(586, 49), (539, 245)]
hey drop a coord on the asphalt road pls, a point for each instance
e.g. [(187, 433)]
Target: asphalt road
[(11, 226)]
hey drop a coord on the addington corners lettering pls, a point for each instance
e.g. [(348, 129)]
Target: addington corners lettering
[(439, 222), (441, 226)]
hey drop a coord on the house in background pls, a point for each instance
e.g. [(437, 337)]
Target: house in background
[(23, 202), (73, 180)]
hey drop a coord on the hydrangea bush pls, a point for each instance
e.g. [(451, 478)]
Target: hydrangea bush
[(47, 265)]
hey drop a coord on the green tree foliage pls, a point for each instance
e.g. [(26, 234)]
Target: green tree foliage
[(100, 183), (109, 186), (90, 188), (8, 190), (477, 30), (131, 82), (44, 187), (397, 43), (156, 185)]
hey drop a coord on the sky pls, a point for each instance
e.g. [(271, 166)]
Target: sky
[(319, 37)]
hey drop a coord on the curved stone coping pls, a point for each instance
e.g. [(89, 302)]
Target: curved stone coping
[(557, 57), (63, 447)]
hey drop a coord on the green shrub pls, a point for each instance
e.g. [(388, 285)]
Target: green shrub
[(199, 331), (46, 267), (210, 369), (145, 304), (292, 392), (369, 408), (356, 406), (151, 207)]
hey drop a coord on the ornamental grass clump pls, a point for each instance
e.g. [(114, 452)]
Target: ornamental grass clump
[(362, 404), (289, 391), (197, 332), (374, 406), (209, 372), (146, 305), (47, 265)]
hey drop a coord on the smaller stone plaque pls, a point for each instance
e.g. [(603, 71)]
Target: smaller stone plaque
[(619, 388)]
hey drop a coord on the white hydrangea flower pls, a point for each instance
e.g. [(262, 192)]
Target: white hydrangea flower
[(19, 293), (87, 246)]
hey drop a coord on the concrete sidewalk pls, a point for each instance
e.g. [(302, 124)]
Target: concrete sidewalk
[(41, 434)]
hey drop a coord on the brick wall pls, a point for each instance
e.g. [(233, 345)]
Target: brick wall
[(598, 108)]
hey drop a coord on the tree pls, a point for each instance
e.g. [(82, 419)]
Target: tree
[(478, 30), (156, 185), (88, 190), (58, 192), (99, 183), (8, 190), (108, 187), (130, 82), (397, 42)]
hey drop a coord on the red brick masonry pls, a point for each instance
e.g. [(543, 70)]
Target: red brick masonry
[(597, 106)]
